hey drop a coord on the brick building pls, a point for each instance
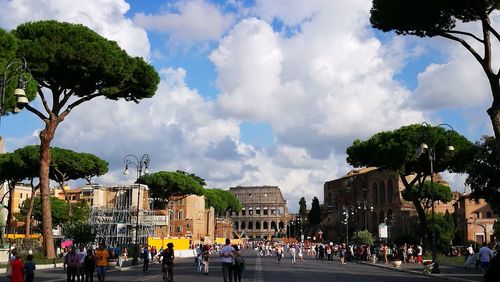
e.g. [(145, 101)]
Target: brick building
[(474, 219), (373, 196), (264, 214)]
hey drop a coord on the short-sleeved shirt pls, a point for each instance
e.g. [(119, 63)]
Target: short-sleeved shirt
[(102, 257), (484, 254), (227, 249)]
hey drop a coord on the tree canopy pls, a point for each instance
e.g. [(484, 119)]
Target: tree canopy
[(436, 190), (447, 18), (397, 150), (302, 208), (314, 215), (164, 184), (74, 65), (484, 172), (221, 200)]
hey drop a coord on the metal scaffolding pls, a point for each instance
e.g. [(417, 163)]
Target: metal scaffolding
[(114, 215)]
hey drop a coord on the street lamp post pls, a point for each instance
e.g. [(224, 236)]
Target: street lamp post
[(430, 146), (362, 206), (16, 67), (347, 211), (141, 165)]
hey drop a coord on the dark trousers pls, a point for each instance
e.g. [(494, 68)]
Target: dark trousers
[(89, 276), (237, 273), (145, 266), (29, 277), (227, 271), (70, 273)]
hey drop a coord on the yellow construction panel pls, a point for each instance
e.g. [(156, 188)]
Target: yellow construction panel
[(21, 236), (179, 244)]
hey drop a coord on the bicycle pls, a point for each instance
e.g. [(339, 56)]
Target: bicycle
[(167, 272)]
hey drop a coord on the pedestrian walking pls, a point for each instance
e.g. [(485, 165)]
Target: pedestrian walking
[(89, 265), (70, 264), (80, 271), (293, 252), (239, 264), (102, 257), (29, 269), (205, 256), (484, 257), (226, 254), (279, 253), (146, 256), (16, 267)]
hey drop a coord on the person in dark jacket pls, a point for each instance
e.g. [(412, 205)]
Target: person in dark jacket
[(89, 266), (29, 269)]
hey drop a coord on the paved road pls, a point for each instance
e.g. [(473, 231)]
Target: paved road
[(257, 269)]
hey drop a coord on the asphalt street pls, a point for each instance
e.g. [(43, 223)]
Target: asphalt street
[(257, 269)]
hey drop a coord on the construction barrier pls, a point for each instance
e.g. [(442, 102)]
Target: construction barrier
[(22, 236), (179, 243)]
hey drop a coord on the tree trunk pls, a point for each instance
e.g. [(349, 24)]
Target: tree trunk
[(494, 113), (70, 212), (27, 233), (11, 185), (46, 137)]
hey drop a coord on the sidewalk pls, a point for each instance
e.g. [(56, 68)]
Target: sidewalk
[(448, 272)]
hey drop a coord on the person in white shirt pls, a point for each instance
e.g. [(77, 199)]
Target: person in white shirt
[(80, 273), (227, 253), (484, 257)]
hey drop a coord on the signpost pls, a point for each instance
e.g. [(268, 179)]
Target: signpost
[(382, 231)]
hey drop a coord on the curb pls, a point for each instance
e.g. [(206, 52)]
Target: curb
[(442, 277)]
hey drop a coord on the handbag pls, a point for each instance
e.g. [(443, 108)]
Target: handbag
[(8, 271)]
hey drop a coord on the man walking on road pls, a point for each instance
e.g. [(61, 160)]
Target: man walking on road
[(226, 254), (102, 256)]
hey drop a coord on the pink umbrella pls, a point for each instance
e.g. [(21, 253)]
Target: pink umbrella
[(66, 243)]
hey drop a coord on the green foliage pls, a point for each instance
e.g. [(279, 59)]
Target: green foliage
[(164, 184), (71, 56), (496, 229), (314, 215), (363, 237), (221, 200), (397, 149), (59, 210), (81, 233), (444, 229), (484, 172), (8, 47), (428, 190), (81, 212), (302, 208), (427, 17), (69, 165), (194, 176)]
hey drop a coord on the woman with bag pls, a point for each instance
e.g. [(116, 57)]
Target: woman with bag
[(17, 268), (239, 264)]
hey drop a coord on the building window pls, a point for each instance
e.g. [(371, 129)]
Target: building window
[(250, 225), (236, 225), (179, 214), (257, 225), (266, 212), (375, 193), (243, 213), (171, 228), (273, 212), (273, 225), (382, 192), (250, 212), (243, 225), (390, 191), (179, 228), (257, 211), (266, 225)]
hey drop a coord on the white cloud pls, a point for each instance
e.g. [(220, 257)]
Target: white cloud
[(188, 21), (319, 81), (106, 17)]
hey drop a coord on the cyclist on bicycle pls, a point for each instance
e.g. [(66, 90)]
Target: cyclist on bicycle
[(167, 264)]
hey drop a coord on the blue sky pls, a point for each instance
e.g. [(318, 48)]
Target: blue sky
[(259, 92)]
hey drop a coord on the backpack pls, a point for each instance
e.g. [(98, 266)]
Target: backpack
[(167, 256), (239, 260)]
